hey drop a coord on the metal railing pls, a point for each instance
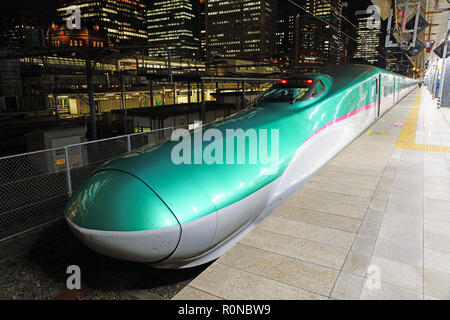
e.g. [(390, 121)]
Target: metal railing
[(34, 187)]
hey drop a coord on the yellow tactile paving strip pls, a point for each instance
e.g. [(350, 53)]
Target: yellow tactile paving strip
[(407, 139)]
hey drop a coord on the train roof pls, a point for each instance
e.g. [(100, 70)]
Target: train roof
[(357, 69), (347, 75)]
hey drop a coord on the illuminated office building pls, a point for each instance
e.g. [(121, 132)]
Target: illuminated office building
[(22, 24), (202, 26), (243, 29), (369, 37), (174, 25), (122, 20), (286, 33), (321, 43), (310, 40)]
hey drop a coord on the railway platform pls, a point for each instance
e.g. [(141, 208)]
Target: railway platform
[(374, 223)]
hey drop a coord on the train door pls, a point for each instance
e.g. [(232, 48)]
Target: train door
[(395, 89), (378, 98)]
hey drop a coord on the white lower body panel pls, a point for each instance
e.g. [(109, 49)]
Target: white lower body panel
[(236, 220), (139, 246)]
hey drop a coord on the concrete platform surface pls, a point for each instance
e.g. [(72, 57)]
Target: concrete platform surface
[(374, 223)]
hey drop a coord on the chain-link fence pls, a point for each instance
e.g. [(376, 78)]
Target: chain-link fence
[(35, 187)]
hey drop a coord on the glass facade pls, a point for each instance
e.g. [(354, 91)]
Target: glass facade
[(304, 40), (174, 25), (369, 37), (320, 42), (243, 29), (122, 20)]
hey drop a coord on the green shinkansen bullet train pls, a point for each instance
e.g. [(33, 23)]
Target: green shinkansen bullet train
[(148, 208)]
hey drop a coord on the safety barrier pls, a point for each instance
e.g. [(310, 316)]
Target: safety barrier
[(34, 187)]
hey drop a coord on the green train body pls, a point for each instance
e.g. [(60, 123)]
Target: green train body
[(145, 207)]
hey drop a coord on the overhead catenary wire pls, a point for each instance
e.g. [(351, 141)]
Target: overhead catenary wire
[(327, 23), (344, 17), (322, 20)]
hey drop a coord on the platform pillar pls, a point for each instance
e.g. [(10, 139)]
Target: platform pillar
[(444, 94)]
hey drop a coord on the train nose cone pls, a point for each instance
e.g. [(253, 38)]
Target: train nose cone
[(116, 214)]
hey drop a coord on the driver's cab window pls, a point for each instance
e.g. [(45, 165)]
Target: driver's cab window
[(288, 91), (284, 94)]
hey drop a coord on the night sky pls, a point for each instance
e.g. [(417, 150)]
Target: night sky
[(50, 9), (44, 9)]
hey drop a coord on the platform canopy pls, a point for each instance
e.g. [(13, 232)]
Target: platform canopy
[(435, 12), (384, 6)]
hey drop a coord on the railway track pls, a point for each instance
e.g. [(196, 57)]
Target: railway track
[(40, 272)]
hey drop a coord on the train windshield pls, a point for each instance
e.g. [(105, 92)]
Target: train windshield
[(287, 92)]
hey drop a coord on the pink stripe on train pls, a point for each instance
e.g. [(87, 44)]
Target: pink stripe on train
[(346, 116)]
